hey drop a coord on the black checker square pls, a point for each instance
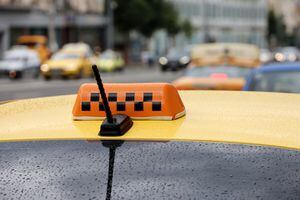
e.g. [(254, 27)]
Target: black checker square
[(95, 96), (101, 106), (148, 96), (85, 106), (138, 106), (112, 96), (130, 96), (121, 106), (156, 106)]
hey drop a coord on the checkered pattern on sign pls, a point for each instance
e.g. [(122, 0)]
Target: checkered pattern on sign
[(130, 98)]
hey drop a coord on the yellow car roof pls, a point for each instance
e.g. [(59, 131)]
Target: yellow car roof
[(269, 119), (76, 47)]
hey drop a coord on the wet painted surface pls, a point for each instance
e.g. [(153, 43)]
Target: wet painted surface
[(78, 170)]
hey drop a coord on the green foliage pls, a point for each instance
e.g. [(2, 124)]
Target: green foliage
[(276, 29), (187, 28), (132, 14), (271, 25), (147, 16)]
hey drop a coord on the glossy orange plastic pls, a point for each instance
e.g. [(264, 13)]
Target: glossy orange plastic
[(152, 101)]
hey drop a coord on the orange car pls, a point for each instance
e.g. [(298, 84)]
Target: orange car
[(37, 43), (212, 78), (219, 66)]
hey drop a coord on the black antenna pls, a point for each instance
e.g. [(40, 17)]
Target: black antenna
[(103, 95), (112, 145), (113, 125)]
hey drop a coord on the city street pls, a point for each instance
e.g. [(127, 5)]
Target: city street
[(30, 88), (226, 129)]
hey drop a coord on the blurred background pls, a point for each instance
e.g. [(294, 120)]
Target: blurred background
[(48, 46)]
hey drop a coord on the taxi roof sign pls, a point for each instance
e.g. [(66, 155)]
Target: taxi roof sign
[(151, 101)]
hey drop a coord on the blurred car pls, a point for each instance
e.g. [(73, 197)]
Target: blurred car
[(148, 58), (212, 78), (20, 60), (80, 47), (110, 61), (283, 77), (232, 54), (37, 43), (286, 54), (73, 60), (219, 66), (174, 60), (265, 56)]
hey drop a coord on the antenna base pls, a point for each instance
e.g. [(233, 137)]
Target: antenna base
[(121, 124)]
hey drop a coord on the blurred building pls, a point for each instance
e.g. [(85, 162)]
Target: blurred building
[(69, 20), (220, 21)]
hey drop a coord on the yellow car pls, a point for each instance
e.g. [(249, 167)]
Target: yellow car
[(68, 63), (110, 61), (226, 117), (140, 113)]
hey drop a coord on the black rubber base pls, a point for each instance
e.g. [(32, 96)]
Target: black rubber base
[(112, 143), (121, 124)]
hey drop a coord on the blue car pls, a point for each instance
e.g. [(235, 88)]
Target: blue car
[(283, 77)]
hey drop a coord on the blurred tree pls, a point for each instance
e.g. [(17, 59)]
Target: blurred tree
[(271, 25), (132, 14), (147, 16), (281, 33), (187, 28), (277, 34), (292, 38)]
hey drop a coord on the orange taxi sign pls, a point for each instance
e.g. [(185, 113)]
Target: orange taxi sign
[(151, 101)]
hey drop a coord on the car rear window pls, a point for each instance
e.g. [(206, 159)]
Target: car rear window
[(230, 71), (65, 56), (147, 170)]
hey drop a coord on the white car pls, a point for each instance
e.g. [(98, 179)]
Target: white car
[(265, 56), (20, 60)]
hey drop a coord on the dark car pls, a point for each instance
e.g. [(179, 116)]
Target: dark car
[(174, 60), (287, 54), (275, 78)]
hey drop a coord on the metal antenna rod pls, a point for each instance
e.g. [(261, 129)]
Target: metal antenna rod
[(112, 151), (112, 145), (103, 95)]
